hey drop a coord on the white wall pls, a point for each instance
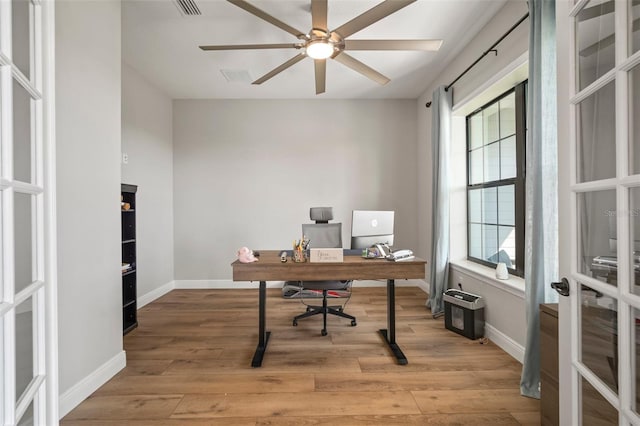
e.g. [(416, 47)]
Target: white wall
[(246, 173), (147, 139), (88, 194), (502, 306)]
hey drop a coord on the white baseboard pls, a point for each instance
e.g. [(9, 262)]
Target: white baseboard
[(85, 387), (505, 342), (155, 294)]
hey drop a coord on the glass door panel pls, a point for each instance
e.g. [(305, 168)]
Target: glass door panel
[(20, 36), (24, 261), (22, 124), (634, 26), (24, 346), (634, 122), (595, 38), (597, 135), (634, 223), (597, 240), (595, 409)]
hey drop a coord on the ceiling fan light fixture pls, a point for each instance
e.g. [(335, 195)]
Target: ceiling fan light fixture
[(319, 49)]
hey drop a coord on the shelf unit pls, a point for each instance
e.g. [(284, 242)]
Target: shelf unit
[(129, 264)]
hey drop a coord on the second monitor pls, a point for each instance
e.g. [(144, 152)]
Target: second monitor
[(369, 227)]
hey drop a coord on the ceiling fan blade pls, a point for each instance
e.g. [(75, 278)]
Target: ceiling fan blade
[(280, 68), (321, 75), (372, 15), (429, 45), (250, 46), (319, 14), (265, 16), (363, 69)]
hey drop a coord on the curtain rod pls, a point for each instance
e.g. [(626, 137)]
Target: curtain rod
[(489, 50)]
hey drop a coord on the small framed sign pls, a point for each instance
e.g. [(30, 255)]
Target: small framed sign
[(326, 255)]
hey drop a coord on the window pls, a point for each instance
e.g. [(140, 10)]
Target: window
[(496, 135)]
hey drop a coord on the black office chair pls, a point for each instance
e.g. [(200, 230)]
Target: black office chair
[(323, 234)]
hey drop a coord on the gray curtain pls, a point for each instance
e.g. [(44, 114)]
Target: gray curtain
[(440, 140), (541, 241)]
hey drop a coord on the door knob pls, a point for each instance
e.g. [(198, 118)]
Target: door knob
[(561, 287)]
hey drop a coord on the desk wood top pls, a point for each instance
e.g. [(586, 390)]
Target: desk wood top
[(270, 268)]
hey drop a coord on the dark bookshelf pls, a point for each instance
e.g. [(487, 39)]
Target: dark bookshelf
[(129, 265)]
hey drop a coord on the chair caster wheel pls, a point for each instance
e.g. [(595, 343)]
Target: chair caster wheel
[(295, 323), (353, 323), (308, 308), (323, 332), (340, 309)]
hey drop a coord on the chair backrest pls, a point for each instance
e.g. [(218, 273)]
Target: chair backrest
[(323, 235)]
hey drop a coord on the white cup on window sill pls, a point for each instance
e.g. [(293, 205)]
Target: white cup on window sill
[(501, 271)]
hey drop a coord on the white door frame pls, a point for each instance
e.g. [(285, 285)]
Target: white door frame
[(41, 393), (572, 370)]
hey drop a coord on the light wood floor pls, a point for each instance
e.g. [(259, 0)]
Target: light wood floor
[(188, 363)]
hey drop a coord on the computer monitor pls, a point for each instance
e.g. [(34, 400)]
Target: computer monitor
[(369, 227)]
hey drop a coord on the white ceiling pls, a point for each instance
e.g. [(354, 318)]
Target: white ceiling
[(162, 44)]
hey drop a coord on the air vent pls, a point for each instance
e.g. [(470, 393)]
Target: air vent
[(188, 7), (237, 76)]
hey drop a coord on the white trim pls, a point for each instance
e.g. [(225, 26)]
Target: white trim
[(155, 294), (81, 390), (503, 73), (504, 342), (514, 285)]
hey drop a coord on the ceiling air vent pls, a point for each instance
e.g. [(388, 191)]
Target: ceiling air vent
[(188, 7), (237, 76)]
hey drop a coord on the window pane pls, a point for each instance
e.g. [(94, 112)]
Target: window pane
[(506, 205), (23, 240), (475, 205), (508, 158), (597, 135), (491, 124), (597, 241), (476, 131), (492, 162), (475, 240), (490, 205), (24, 346), (20, 30), (634, 123), (634, 16), (490, 243), (508, 116), (596, 41), (507, 241), (475, 166)]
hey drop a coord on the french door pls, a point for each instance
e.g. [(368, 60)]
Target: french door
[(28, 355), (602, 187)]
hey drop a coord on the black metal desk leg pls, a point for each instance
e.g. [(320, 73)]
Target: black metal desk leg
[(263, 335), (390, 334)]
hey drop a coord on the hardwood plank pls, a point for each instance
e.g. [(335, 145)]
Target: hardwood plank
[(126, 407), (203, 384), (295, 404), (476, 419), (474, 400)]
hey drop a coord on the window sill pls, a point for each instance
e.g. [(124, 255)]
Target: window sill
[(514, 285)]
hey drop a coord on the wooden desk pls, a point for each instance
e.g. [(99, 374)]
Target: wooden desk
[(269, 268)]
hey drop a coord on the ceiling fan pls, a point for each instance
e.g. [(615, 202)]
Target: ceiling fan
[(321, 44)]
